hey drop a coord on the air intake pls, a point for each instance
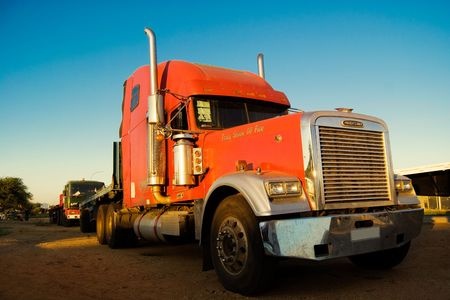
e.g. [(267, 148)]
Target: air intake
[(353, 165)]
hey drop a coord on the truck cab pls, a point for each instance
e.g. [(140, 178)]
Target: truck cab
[(199, 111)]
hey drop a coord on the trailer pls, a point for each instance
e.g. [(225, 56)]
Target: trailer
[(113, 193), (218, 156)]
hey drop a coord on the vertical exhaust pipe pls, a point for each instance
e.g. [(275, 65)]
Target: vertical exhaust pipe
[(156, 155), (153, 63), (117, 166), (155, 103), (260, 60)]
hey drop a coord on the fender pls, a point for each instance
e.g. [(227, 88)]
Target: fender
[(251, 184), (406, 194)]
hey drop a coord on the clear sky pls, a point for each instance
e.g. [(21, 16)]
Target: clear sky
[(63, 63)]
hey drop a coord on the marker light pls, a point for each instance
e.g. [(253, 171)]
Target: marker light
[(197, 158)]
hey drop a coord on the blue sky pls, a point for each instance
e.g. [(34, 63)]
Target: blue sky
[(63, 63)]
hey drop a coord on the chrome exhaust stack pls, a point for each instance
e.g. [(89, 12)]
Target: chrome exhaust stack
[(155, 118), (260, 61)]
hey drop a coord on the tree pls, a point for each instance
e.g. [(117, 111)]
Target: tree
[(14, 194)]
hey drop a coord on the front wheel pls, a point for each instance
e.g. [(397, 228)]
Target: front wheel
[(381, 260), (236, 248)]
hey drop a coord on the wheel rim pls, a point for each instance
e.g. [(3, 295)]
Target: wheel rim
[(232, 245)]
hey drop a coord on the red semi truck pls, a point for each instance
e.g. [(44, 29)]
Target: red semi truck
[(218, 156), (67, 212)]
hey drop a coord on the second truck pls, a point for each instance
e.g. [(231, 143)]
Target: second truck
[(67, 212), (218, 156)]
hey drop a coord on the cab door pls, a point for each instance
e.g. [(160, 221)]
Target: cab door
[(138, 139)]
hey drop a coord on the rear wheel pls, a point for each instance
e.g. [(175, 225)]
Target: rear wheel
[(63, 221), (52, 217), (115, 235), (112, 232), (381, 260), (85, 221), (66, 222), (100, 224), (57, 218), (236, 247)]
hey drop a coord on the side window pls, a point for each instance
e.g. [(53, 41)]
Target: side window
[(258, 112), (179, 119), (134, 97)]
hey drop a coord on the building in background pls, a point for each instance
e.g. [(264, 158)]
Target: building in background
[(432, 184)]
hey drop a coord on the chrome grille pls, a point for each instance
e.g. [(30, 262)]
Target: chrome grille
[(353, 165)]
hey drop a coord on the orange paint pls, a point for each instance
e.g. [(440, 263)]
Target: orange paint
[(272, 144)]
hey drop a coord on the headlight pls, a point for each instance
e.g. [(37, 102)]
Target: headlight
[(403, 184), (283, 188)]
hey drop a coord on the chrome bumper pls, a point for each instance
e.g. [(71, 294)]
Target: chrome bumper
[(320, 238)]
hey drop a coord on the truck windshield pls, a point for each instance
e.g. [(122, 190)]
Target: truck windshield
[(79, 191), (225, 112)]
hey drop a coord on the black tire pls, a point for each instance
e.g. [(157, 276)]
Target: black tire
[(55, 217), (116, 236), (381, 260), (85, 221), (112, 232), (101, 224), (51, 217), (58, 217), (62, 219), (236, 248), (65, 222)]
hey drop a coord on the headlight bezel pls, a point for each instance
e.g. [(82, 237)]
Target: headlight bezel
[(283, 188), (403, 184)]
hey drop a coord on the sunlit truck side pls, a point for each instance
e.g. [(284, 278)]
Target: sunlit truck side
[(217, 155)]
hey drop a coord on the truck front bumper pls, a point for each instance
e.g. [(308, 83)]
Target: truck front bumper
[(73, 217), (320, 238)]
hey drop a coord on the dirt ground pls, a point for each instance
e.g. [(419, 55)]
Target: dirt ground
[(42, 261)]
